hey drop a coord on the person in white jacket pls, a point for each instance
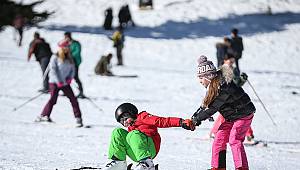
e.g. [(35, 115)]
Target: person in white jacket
[(61, 73)]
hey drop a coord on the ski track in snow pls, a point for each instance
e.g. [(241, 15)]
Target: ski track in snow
[(162, 51)]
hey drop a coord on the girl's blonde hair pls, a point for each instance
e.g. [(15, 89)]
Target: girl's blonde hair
[(213, 91), (63, 54)]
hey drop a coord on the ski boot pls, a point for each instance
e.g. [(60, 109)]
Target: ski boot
[(249, 140), (79, 122), (43, 119), (116, 165), (146, 164)]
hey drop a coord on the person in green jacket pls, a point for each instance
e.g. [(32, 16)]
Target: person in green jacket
[(75, 49)]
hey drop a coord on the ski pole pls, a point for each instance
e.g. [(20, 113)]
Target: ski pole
[(94, 104), (262, 103), (29, 100)]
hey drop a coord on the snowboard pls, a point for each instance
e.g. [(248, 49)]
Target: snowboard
[(129, 167)]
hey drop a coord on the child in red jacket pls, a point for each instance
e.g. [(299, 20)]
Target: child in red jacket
[(142, 141)]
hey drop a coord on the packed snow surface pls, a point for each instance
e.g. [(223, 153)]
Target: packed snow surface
[(162, 51)]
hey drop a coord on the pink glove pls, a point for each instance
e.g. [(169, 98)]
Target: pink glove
[(60, 84), (69, 81)]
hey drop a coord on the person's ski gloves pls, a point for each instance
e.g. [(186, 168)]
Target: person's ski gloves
[(69, 81), (195, 117), (187, 124), (60, 84), (244, 76)]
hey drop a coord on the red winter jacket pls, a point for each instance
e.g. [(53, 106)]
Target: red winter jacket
[(148, 124)]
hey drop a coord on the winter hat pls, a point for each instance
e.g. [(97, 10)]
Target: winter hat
[(63, 44), (206, 68)]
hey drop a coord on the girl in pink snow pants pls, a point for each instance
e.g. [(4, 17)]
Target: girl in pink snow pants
[(224, 96)]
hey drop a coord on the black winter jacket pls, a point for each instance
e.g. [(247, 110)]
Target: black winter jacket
[(232, 103), (41, 49)]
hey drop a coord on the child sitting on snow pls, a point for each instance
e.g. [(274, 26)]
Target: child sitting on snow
[(142, 141)]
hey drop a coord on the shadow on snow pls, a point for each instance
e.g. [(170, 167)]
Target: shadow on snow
[(249, 24)]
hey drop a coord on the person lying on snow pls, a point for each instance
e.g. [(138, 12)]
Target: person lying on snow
[(142, 141)]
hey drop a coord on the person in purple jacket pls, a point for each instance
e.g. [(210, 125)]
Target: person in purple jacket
[(62, 71)]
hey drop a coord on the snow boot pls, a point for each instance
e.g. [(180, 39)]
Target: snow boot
[(79, 122), (241, 168), (116, 165), (43, 119), (249, 140), (146, 164), (217, 169)]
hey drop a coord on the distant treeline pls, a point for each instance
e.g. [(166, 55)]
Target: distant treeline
[(10, 10)]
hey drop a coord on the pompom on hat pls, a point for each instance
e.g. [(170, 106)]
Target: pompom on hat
[(206, 68)]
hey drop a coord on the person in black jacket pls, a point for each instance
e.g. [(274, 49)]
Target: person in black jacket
[(234, 105), (222, 50), (108, 19), (237, 46), (42, 51), (125, 17)]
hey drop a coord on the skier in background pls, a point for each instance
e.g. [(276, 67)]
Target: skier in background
[(108, 19), (234, 104), (232, 74), (42, 51), (118, 39), (103, 66), (237, 46), (222, 49), (142, 141), (61, 73), (125, 17), (75, 50), (18, 24)]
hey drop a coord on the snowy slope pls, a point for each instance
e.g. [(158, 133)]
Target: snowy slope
[(162, 51)]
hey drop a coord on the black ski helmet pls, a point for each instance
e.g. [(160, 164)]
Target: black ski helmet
[(126, 108)]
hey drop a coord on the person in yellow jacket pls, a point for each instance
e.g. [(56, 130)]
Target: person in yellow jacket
[(118, 40)]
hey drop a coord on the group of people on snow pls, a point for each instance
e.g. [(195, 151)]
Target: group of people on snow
[(233, 45), (229, 52), (124, 16), (58, 72), (141, 141)]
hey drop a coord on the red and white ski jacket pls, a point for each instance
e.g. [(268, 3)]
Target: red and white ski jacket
[(148, 124)]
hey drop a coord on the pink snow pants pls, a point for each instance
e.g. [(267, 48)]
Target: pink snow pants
[(220, 119), (234, 134)]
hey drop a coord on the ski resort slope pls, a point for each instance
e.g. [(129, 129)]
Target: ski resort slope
[(162, 50)]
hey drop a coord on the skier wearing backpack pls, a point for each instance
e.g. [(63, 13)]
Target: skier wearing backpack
[(234, 104), (142, 141), (61, 73), (75, 50), (42, 51)]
